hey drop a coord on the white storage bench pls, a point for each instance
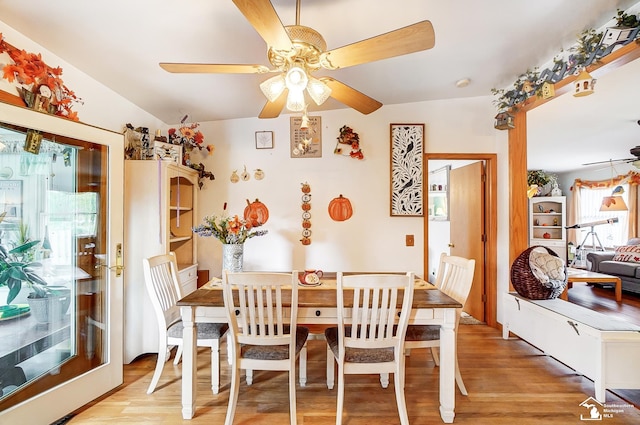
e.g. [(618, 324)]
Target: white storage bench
[(604, 349)]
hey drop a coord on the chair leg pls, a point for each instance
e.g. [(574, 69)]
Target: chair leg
[(292, 392), (384, 380), (215, 366), (176, 360), (302, 359), (162, 358), (229, 354), (434, 354), (331, 369), (233, 394), (459, 381), (398, 380), (340, 404)]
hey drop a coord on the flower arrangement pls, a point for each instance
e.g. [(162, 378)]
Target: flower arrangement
[(351, 138), (228, 230), (191, 138), (30, 70)]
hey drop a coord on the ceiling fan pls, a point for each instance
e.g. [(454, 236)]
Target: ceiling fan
[(296, 51), (635, 161)]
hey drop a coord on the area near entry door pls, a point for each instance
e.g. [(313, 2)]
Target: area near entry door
[(61, 235), (467, 228)]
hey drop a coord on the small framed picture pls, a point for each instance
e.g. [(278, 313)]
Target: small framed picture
[(167, 152), (264, 139)]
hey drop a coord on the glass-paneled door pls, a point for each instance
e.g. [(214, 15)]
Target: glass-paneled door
[(60, 264)]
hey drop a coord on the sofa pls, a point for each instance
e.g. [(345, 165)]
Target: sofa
[(624, 262)]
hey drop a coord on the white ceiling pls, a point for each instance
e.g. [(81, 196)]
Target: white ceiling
[(121, 42)]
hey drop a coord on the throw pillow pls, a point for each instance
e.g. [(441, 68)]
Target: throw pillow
[(547, 268), (627, 253)]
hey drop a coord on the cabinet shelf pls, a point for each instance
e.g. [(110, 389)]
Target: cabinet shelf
[(181, 209), (179, 239), (547, 217)]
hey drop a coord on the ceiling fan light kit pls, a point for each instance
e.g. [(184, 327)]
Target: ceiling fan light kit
[(296, 51)]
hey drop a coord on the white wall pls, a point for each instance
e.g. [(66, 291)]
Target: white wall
[(102, 107), (371, 239)]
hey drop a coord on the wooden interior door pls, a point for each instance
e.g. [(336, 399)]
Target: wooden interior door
[(467, 228)]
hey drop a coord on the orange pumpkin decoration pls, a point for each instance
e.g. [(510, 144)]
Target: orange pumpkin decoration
[(256, 213), (305, 241), (340, 209), (306, 224), (306, 188), (306, 206)]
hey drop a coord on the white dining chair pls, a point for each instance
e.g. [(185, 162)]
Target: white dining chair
[(369, 338), (454, 278), (163, 287), (263, 334)]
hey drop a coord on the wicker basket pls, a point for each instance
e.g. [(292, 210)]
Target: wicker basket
[(526, 284)]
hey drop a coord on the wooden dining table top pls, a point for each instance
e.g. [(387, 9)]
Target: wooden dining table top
[(425, 295)]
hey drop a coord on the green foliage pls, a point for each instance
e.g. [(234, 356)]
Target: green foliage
[(625, 20), (16, 267), (537, 177)]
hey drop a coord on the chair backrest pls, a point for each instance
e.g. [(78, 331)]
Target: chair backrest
[(255, 303), (163, 287), (455, 276), (373, 301)]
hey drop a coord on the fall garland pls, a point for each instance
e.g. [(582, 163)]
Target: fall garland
[(29, 69)]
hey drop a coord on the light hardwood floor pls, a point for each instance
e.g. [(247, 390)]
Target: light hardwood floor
[(509, 382)]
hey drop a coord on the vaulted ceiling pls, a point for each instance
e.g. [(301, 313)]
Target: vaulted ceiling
[(120, 43)]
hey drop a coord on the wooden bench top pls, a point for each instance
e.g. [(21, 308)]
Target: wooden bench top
[(582, 314)]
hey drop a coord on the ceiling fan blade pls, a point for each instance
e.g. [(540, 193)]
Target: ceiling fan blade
[(263, 17), (273, 109), (351, 97), (212, 68), (410, 39), (611, 161)]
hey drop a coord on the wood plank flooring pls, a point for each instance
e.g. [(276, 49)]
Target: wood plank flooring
[(509, 382)]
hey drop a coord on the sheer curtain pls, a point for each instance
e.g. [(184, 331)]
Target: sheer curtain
[(585, 207)]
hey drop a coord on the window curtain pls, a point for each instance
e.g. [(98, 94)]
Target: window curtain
[(631, 178)]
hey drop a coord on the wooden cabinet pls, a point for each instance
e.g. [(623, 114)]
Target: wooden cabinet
[(161, 200), (547, 221)]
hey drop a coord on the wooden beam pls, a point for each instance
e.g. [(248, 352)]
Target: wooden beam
[(518, 234), (518, 201)]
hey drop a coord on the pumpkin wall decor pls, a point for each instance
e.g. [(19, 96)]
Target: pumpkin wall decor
[(340, 208), (306, 215), (256, 213)]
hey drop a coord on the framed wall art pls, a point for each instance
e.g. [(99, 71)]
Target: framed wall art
[(407, 198), (167, 152), (264, 139), (306, 142)]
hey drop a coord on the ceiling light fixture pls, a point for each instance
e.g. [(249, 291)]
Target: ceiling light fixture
[(273, 87), (462, 83), (296, 80), (318, 91)]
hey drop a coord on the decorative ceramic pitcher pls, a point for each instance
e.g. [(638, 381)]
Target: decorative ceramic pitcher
[(311, 277)]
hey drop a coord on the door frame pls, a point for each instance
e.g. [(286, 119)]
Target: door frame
[(491, 224), (54, 403)]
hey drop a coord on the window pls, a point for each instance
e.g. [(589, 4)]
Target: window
[(610, 235)]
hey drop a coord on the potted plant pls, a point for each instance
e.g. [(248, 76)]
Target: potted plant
[(17, 267)]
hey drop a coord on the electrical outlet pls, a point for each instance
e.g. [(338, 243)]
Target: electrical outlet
[(409, 240)]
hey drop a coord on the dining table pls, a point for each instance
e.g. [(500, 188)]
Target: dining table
[(317, 305)]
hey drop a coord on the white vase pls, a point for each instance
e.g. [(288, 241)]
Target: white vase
[(232, 257)]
